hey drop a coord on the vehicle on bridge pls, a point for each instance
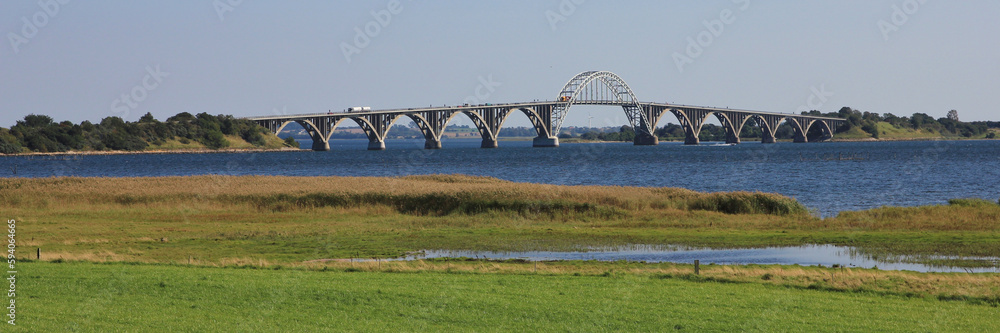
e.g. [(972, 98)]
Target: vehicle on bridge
[(359, 109)]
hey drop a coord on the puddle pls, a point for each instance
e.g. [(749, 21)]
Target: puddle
[(810, 255)]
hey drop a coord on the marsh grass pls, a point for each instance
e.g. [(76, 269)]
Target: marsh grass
[(293, 219), (421, 195), (959, 215)]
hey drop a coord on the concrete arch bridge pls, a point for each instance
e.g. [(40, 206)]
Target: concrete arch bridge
[(587, 88)]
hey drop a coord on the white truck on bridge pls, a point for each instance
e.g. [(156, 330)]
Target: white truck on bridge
[(359, 109)]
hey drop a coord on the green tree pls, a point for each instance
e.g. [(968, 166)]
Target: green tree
[(953, 115), (214, 139), (9, 144), (147, 118), (871, 127), (36, 121)]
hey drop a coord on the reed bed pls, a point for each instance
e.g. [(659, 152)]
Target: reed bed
[(421, 195), (290, 219)]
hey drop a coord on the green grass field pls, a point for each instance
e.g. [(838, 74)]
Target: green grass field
[(267, 253), (120, 297)]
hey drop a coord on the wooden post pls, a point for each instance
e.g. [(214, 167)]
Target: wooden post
[(38, 254), (697, 268)]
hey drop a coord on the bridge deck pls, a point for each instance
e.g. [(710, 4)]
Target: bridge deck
[(527, 104)]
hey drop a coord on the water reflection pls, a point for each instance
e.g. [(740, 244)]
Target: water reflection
[(809, 255)]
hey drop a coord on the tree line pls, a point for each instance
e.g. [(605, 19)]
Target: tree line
[(949, 125), (39, 133)]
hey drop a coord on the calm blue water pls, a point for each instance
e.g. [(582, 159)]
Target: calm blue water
[(809, 255), (827, 177)]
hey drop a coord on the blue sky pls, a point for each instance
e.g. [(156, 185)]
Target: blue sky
[(256, 57)]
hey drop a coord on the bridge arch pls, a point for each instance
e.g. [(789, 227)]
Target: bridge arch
[(319, 138), (432, 125), (800, 126), (803, 126), (489, 121), (533, 116), (596, 88), (826, 128), (732, 127), (333, 127)]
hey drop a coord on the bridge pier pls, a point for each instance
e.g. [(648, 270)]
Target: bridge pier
[(376, 145), (692, 140), (646, 140), (542, 141), (432, 143), (319, 145), (489, 143), (800, 138)]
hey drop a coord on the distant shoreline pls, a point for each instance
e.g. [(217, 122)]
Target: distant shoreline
[(159, 152), (787, 140)]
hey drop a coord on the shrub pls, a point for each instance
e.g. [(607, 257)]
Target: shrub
[(748, 203), (971, 202), (214, 139)]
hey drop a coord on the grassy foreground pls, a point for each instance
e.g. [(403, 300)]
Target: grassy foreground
[(120, 297), (212, 219), (268, 253)]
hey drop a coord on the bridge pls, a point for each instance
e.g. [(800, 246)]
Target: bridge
[(587, 88)]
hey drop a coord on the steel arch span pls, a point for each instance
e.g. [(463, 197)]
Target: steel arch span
[(597, 88)]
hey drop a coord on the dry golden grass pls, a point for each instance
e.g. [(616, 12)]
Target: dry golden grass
[(444, 194), (936, 218), (281, 193)]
